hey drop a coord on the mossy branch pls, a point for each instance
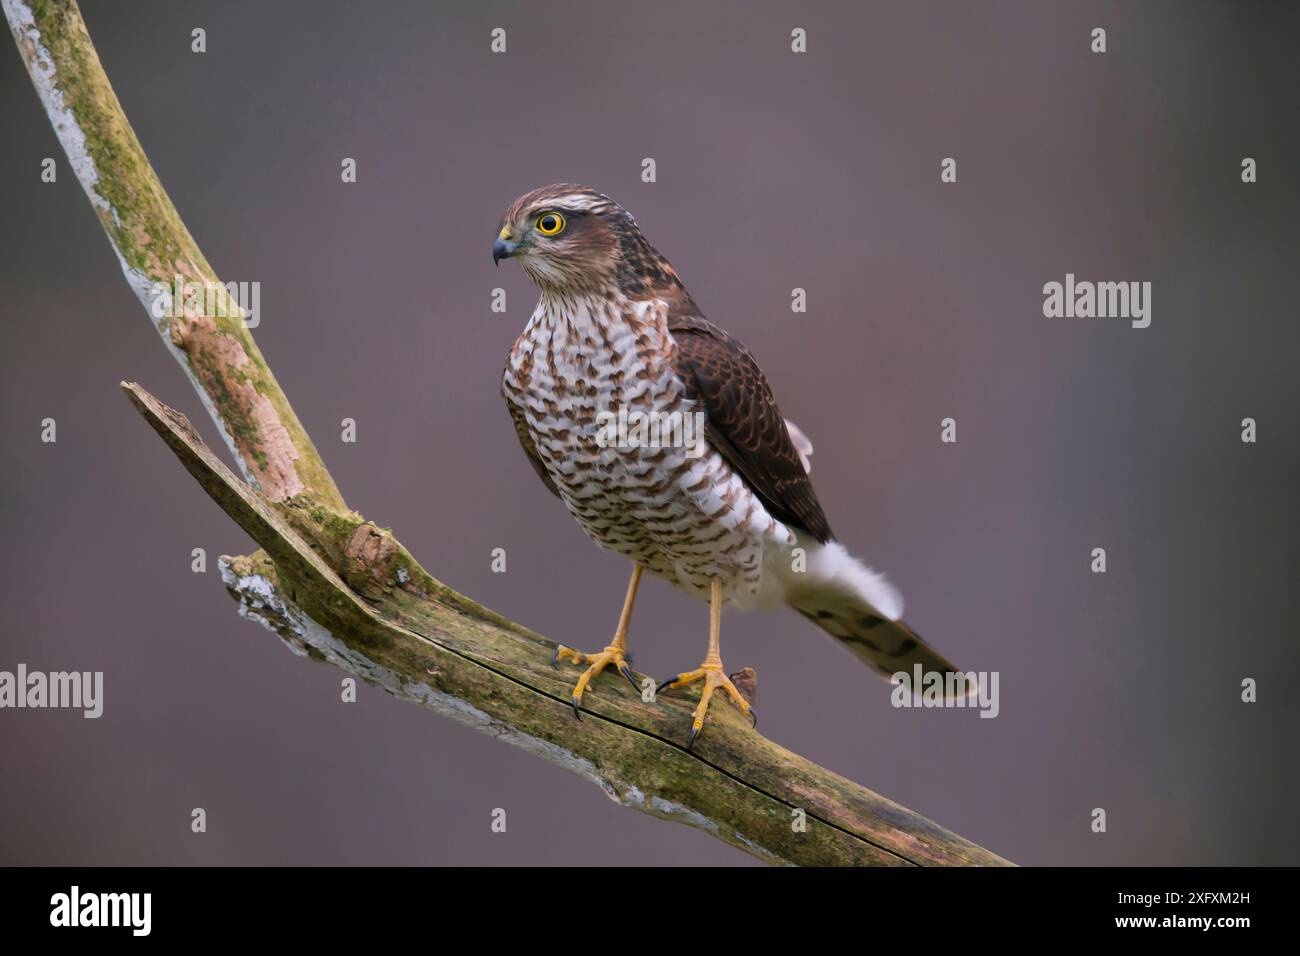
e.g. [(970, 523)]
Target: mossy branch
[(339, 589), (206, 333), (346, 592)]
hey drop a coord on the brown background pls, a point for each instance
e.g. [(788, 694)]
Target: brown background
[(822, 171)]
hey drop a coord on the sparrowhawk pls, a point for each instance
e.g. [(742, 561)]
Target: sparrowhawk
[(730, 516)]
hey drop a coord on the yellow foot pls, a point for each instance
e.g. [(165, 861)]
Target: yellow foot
[(713, 678), (613, 654)]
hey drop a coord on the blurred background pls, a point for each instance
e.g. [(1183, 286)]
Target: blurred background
[(774, 171)]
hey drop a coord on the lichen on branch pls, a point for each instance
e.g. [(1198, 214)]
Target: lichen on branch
[(209, 336)]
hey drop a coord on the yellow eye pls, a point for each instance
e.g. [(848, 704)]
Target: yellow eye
[(550, 224)]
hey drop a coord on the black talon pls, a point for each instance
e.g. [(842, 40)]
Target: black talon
[(577, 712), (753, 719), (627, 672), (695, 732), (659, 689)]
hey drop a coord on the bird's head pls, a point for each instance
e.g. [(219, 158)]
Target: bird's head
[(573, 239)]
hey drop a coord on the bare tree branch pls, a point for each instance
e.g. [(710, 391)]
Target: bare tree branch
[(346, 592), (339, 589), (153, 246)]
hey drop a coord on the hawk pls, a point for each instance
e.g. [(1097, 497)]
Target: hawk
[(726, 513)]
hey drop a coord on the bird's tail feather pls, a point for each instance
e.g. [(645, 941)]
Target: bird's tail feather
[(861, 610), (887, 646)]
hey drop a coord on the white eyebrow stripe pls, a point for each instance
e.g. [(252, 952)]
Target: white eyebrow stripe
[(579, 201)]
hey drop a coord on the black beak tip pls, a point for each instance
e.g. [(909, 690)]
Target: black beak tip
[(501, 250)]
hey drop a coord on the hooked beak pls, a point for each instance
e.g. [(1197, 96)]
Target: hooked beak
[(504, 247)]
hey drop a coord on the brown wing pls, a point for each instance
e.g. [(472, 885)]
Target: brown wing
[(743, 422), (525, 439)]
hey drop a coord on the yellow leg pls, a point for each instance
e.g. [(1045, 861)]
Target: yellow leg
[(614, 653), (711, 670)]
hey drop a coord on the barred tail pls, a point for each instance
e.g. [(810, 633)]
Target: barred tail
[(861, 610)]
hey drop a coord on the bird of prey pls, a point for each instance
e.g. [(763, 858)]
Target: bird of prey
[(731, 518)]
